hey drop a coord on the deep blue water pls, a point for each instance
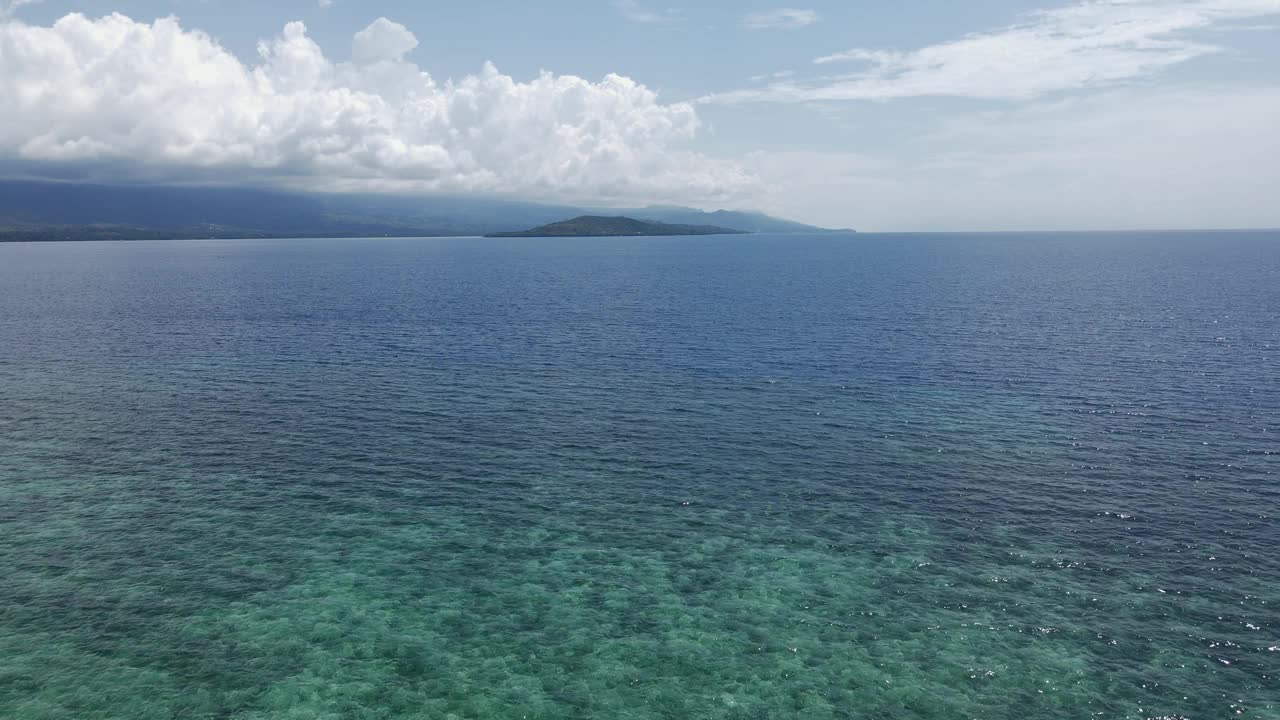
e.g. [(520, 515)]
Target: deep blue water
[(911, 476)]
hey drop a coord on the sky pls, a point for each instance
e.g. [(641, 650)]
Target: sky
[(894, 116)]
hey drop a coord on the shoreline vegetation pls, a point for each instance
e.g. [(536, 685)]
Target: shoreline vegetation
[(113, 233)]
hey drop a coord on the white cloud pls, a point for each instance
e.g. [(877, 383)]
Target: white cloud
[(1091, 44), (637, 13), (9, 8), (383, 40), (1136, 158), (158, 98), (780, 19), (780, 75)]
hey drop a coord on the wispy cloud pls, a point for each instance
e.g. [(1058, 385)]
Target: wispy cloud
[(9, 8), (780, 75), (780, 19), (637, 13), (1090, 44)]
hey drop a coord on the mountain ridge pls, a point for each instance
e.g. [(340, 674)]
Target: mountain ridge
[(615, 226), (44, 210)]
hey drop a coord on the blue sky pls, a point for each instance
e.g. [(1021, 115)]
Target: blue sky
[(990, 114)]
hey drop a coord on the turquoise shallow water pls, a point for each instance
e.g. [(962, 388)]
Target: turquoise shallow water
[(751, 478)]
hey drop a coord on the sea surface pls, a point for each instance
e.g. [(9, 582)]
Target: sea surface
[(753, 478)]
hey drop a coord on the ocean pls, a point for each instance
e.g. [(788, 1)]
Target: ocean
[(983, 476)]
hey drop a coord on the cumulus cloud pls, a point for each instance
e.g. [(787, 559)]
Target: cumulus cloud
[(383, 40), (160, 98), (780, 19), (1090, 44)]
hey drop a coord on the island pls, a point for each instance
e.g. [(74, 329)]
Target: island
[(600, 226)]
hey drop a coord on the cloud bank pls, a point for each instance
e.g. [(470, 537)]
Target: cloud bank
[(157, 98), (1128, 158), (1088, 45)]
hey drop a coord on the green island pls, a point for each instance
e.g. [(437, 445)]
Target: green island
[(601, 226)]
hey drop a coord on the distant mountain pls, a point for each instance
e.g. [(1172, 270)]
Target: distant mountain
[(601, 226), (33, 210), (749, 221)]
